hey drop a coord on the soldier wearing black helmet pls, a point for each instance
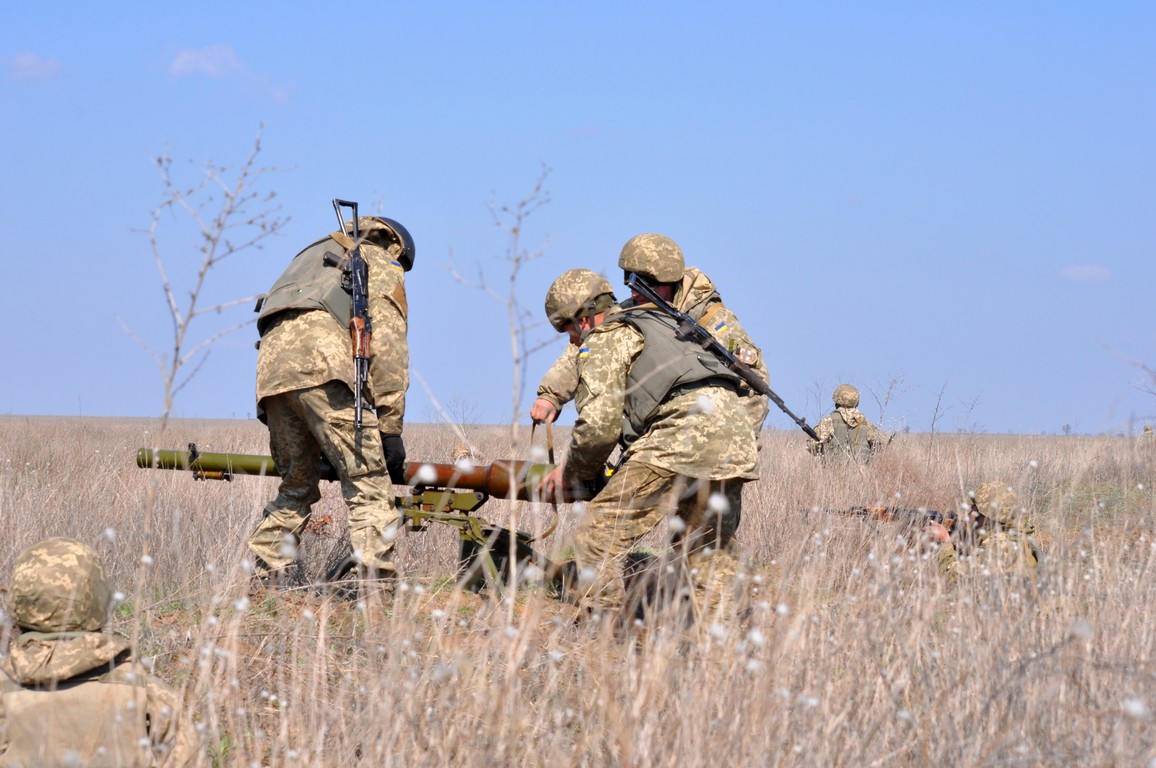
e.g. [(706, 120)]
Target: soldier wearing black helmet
[(71, 694), (305, 381)]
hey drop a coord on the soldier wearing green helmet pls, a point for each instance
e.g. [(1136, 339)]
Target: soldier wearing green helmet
[(687, 444), (660, 260), (69, 693), (994, 536), (845, 431)]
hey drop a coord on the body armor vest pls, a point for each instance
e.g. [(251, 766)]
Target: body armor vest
[(313, 280), (666, 366)]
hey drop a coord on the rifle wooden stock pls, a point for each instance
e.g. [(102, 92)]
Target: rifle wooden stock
[(502, 479)]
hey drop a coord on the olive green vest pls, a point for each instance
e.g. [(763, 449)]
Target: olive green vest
[(666, 366), (311, 281), (851, 441)]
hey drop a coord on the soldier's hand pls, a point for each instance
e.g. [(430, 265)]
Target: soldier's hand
[(936, 533), (394, 450), (543, 410), (553, 485)]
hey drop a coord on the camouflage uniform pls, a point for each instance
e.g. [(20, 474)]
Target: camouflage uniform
[(305, 383), (846, 431), (69, 694), (690, 459), (1003, 545), (697, 296)]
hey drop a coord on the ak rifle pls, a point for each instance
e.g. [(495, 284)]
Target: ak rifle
[(689, 330)]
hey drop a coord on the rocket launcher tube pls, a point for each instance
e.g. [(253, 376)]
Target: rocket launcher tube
[(501, 480)]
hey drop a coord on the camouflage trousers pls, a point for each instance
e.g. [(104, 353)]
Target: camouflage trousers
[(304, 425), (703, 516)]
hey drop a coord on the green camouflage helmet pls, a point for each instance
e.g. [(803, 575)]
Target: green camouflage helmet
[(846, 396), (575, 294), (656, 257), (996, 501), (59, 585), (385, 232)]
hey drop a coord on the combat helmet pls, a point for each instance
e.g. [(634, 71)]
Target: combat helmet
[(577, 293), (846, 396), (997, 502), (59, 585), (656, 257), (385, 232)]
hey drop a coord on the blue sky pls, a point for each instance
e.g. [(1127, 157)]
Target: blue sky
[(958, 198)]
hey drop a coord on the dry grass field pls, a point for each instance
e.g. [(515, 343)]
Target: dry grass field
[(854, 650)]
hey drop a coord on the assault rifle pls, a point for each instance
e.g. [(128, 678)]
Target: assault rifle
[(360, 325), (910, 516), (689, 330), (438, 496)]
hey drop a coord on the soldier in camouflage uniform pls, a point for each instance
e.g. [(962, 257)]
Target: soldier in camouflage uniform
[(845, 431), (994, 537), (69, 693), (305, 381), (687, 440), (694, 294)]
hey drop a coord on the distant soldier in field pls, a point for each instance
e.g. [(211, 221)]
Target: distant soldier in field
[(305, 383), (845, 431), (995, 536), (660, 260), (687, 439), (69, 693)]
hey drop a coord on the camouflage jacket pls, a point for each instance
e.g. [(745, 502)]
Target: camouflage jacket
[(1006, 551), (309, 347), (703, 433), (698, 298), (74, 698), (846, 430)]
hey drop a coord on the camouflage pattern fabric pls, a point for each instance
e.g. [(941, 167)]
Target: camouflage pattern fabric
[(698, 445), (846, 432), (703, 433), (75, 699), (696, 295), (69, 695), (846, 396), (309, 348), (573, 294), (636, 500), (304, 425), (1002, 545), (59, 585), (654, 256)]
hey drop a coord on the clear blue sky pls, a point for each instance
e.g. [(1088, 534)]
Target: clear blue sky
[(957, 196)]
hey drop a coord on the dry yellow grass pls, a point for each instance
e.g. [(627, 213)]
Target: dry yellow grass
[(855, 652)]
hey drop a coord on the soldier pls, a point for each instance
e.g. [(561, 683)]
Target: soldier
[(659, 259), (994, 536), (687, 440), (69, 693), (845, 431), (305, 382)]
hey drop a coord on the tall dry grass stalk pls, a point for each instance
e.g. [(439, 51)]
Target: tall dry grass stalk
[(854, 650)]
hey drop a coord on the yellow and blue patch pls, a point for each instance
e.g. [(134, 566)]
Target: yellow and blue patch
[(397, 265), (583, 352), (722, 326)]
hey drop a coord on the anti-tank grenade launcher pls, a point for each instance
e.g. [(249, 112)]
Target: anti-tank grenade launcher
[(448, 494)]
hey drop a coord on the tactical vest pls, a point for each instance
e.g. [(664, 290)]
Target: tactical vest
[(313, 280), (852, 441), (667, 366)]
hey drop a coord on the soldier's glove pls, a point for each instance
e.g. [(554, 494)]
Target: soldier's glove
[(394, 457)]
